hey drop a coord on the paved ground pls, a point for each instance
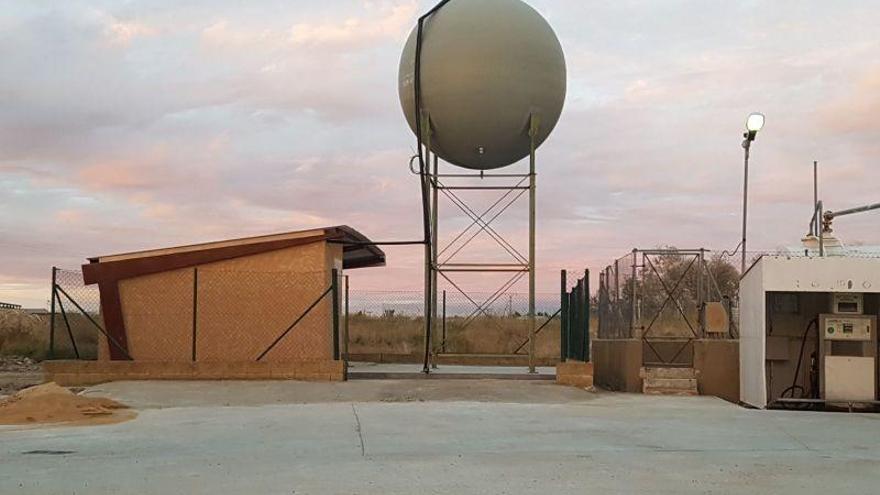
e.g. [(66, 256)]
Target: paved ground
[(466, 437), (403, 371)]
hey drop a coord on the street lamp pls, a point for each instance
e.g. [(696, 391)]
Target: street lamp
[(754, 123)]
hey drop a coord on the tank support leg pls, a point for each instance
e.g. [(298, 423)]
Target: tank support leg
[(434, 240), (533, 134), (429, 267)]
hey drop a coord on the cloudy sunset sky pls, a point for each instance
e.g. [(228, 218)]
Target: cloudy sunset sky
[(128, 125)]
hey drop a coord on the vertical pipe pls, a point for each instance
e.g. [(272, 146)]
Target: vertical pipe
[(195, 309), (52, 313), (434, 239), (69, 329), (820, 225), (815, 189), (747, 146), (602, 331), (634, 293), (533, 132), (563, 316), (334, 284), (588, 313), (443, 349), (429, 269), (346, 328), (617, 280), (582, 313), (701, 300)]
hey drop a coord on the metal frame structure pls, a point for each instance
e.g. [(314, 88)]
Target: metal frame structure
[(621, 313), (439, 261)]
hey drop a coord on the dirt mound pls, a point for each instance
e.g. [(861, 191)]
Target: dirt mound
[(51, 404)]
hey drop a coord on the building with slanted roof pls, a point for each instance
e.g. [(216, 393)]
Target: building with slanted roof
[(264, 299)]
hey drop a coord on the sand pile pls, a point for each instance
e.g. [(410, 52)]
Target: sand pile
[(49, 403)]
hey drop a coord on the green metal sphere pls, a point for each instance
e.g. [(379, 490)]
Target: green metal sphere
[(487, 67)]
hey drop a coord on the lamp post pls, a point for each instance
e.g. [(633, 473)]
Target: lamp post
[(754, 123)]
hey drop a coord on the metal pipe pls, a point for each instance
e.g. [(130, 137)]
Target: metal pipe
[(483, 188), (633, 293), (379, 243), (533, 134), (563, 320), (345, 341), (483, 270), (443, 348), (69, 329), (294, 324), (485, 265), (747, 146), (417, 90), (483, 176), (815, 188), (821, 229), (861, 209), (110, 338), (434, 244), (587, 312), (52, 314), (429, 268)]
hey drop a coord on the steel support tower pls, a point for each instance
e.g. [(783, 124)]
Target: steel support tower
[(439, 260)]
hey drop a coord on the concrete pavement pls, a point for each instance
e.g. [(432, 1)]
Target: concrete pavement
[(575, 443)]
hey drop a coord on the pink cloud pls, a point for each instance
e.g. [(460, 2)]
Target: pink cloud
[(857, 110), (119, 175)]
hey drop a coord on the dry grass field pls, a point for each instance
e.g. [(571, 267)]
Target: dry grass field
[(392, 334), (28, 335), (24, 334)]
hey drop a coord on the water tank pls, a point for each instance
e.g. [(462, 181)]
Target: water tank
[(487, 65)]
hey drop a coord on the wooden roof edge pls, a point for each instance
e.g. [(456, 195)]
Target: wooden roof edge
[(362, 255)]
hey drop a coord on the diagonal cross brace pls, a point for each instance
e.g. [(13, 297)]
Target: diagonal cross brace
[(484, 226), (669, 296)]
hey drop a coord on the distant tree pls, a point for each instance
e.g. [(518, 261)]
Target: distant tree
[(679, 274)]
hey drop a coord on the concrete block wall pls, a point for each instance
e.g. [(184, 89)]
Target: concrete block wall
[(87, 373)]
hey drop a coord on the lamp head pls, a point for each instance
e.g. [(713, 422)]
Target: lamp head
[(754, 123)]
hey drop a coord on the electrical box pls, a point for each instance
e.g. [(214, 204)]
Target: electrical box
[(854, 328), (847, 354), (848, 304)]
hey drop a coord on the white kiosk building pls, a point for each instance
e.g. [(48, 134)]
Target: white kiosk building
[(808, 332)]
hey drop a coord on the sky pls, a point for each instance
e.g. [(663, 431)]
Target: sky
[(138, 124)]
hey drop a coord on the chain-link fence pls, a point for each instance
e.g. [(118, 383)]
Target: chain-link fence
[(75, 319), (202, 315), (667, 293), (392, 322), (215, 315)]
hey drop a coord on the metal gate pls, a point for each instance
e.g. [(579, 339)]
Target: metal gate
[(575, 315), (662, 297)]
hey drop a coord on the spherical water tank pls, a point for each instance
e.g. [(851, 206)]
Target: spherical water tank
[(486, 66)]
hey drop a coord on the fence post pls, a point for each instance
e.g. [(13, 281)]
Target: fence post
[(334, 285), (634, 290), (195, 309), (563, 316), (443, 347), (345, 328), (588, 312), (52, 314)]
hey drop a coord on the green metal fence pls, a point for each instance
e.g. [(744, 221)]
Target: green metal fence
[(575, 315)]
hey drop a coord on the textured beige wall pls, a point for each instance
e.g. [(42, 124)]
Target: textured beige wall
[(617, 364), (717, 365), (244, 304)]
